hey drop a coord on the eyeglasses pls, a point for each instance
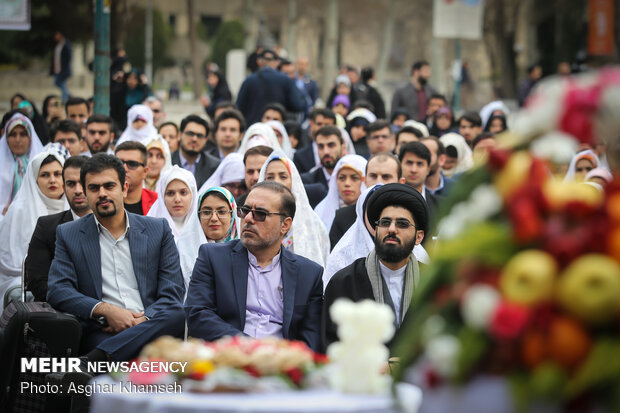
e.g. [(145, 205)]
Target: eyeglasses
[(258, 214), (401, 223), (375, 137), (133, 165), (155, 110), (221, 213), (198, 135)]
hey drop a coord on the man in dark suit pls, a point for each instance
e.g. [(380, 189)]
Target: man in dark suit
[(191, 154), (304, 157), (43, 242), (254, 286), (436, 183), (265, 86), (330, 145), (415, 160), (117, 272), (61, 63)]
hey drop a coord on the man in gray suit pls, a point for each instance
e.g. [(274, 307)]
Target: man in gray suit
[(118, 272), (414, 95)]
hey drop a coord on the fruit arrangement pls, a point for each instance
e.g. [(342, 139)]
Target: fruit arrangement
[(525, 282)]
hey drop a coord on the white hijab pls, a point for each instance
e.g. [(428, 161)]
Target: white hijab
[(326, 209), (132, 134), (357, 243), (488, 109), (157, 141), (159, 210), (21, 218), (465, 160), (310, 238), (231, 169), (259, 134), (287, 148), (7, 160), (588, 153)]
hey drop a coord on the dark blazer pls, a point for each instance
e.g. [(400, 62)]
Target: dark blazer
[(304, 159), (315, 177), (316, 193), (266, 86), (344, 218), (41, 252), (217, 293), (447, 185), (65, 61), (75, 283), (205, 167), (432, 201)]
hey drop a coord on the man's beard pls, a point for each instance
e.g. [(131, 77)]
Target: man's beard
[(189, 152), (257, 243), (79, 209), (109, 213), (422, 81), (434, 168), (392, 253), (331, 164), (104, 148)]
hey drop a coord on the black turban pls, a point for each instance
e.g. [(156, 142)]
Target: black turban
[(401, 195)]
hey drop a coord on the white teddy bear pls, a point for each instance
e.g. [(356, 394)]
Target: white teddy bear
[(360, 356)]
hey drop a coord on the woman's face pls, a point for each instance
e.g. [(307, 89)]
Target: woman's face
[(171, 136), (54, 108), (349, 185), (18, 141), (212, 79), (399, 120), (582, 167), (278, 135), (177, 198), (443, 122), (357, 132), (49, 180), (155, 161), (341, 109), (277, 171), (450, 163), (15, 102), (138, 124), (215, 217), (132, 81), (496, 126), (343, 89)]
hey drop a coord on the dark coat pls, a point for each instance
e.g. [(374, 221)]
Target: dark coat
[(405, 97), (304, 159), (204, 169), (315, 177), (343, 220)]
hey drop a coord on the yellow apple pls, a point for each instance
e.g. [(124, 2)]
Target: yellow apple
[(529, 277)]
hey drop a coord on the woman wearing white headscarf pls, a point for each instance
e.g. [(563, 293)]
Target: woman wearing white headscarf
[(199, 227), (582, 163), (158, 159), (283, 139), (463, 161), (497, 107), (308, 236), (15, 153), (357, 242), (230, 174), (139, 124), (259, 134), (336, 198), (176, 199), (41, 194)]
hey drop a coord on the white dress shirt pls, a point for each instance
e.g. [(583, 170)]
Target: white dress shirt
[(395, 281)]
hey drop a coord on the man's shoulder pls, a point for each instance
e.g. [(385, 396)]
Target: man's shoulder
[(175, 158), (219, 248), (307, 263), (346, 211), (304, 152), (350, 274), (48, 221), (208, 159)]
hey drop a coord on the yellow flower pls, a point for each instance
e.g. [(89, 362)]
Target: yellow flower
[(202, 367)]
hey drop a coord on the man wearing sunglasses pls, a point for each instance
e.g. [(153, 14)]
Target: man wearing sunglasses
[(138, 199), (390, 273), (254, 286)]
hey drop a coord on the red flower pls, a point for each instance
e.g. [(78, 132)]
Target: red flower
[(498, 158), (432, 378), (295, 374), (252, 371), (320, 358), (509, 321), (526, 221)]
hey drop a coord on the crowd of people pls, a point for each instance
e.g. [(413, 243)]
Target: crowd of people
[(244, 221)]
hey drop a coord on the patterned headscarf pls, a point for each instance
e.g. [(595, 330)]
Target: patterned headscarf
[(233, 229)]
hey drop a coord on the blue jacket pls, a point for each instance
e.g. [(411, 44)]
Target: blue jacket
[(217, 293), (268, 86)]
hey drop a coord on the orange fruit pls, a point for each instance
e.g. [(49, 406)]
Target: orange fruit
[(613, 244), (533, 349), (568, 343)]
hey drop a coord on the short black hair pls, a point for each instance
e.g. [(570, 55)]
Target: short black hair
[(73, 162), (287, 206), (325, 112), (230, 114), (99, 163), (74, 101), (363, 103), (418, 149), (377, 125), (284, 62), (409, 129), (65, 126), (49, 159), (293, 129), (419, 65), (329, 130), (438, 96), (472, 117), (99, 118), (531, 67), (277, 107), (441, 150), (367, 73), (132, 146), (196, 119), (384, 156), (168, 124), (257, 150), (481, 137), (225, 104), (502, 118)]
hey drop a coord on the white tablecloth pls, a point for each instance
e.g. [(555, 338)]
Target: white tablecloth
[(295, 401)]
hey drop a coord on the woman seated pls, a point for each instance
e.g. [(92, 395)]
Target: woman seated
[(230, 174), (459, 157), (139, 124), (308, 236), (215, 221), (582, 163), (345, 186), (158, 160), (41, 194)]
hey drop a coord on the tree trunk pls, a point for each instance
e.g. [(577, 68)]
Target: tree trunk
[(388, 40), (291, 35), (193, 42), (250, 26), (330, 51), (500, 36)]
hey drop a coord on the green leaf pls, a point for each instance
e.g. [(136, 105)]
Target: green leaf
[(473, 347), (601, 367)]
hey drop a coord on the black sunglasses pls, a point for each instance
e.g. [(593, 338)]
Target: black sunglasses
[(258, 214), (192, 134), (400, 223), (133, 165)]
